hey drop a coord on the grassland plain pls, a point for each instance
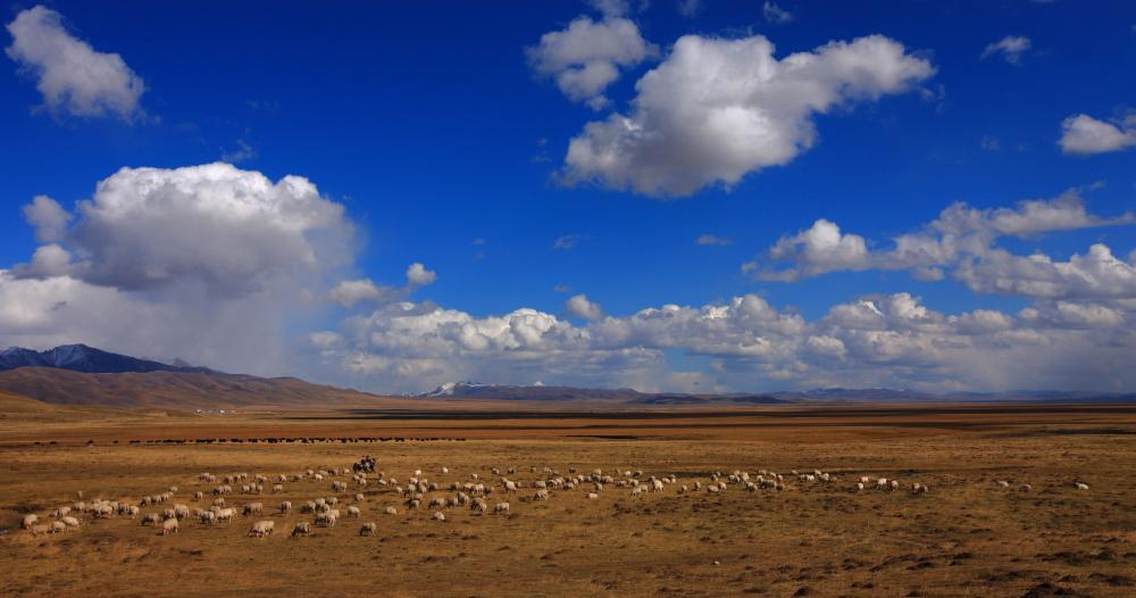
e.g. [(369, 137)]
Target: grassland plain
[(968, 536)]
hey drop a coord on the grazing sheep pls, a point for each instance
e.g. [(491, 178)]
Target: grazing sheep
[(593, 496), (70, 521), (207, 517), (478, 505), (439, 516), (325, 520), (261, 529), (859, 486), (152, 519), (882, 484), (541, 494), (29, 521), (58, 526), (252, 508), (894, 485), (353, 511), (390, 511), (1025, 488), (1080, 485), (41, 529), (286, 506), (501, 507), (1003, 483), (278, 488), (360, 498), (226, 515), (169, 526), (302, 529), (368, 529)]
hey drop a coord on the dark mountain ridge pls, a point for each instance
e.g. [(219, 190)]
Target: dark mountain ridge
[(83, 358)]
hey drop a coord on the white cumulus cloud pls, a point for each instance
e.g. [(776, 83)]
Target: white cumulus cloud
[(964, 239), (1084, 135), (586, 57), (718, 109), (72, 76), (417, 275), (581, 307), (232, 231)]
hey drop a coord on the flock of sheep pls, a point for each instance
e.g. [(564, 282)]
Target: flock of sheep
[(358, 484)]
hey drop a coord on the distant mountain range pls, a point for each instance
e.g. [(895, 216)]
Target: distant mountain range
[(627, 396), (81, 358), (495, 392), (82, 375)]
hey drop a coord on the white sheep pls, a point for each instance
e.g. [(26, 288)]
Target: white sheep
[(169, 526), (302, 529), (439, 516), (390, 511), (1080, 485), (501, 507), (286, 506), (262, 528), (70, 521), (368, 529), (29, 521), (353, 511)]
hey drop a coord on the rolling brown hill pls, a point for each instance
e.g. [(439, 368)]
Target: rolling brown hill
[(177, 390)]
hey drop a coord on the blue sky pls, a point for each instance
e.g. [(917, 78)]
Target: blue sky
[(443, 139)]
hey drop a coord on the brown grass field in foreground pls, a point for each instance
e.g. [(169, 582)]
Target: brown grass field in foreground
[(968, 536)]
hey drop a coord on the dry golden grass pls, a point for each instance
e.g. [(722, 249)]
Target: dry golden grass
[(967, 537)]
